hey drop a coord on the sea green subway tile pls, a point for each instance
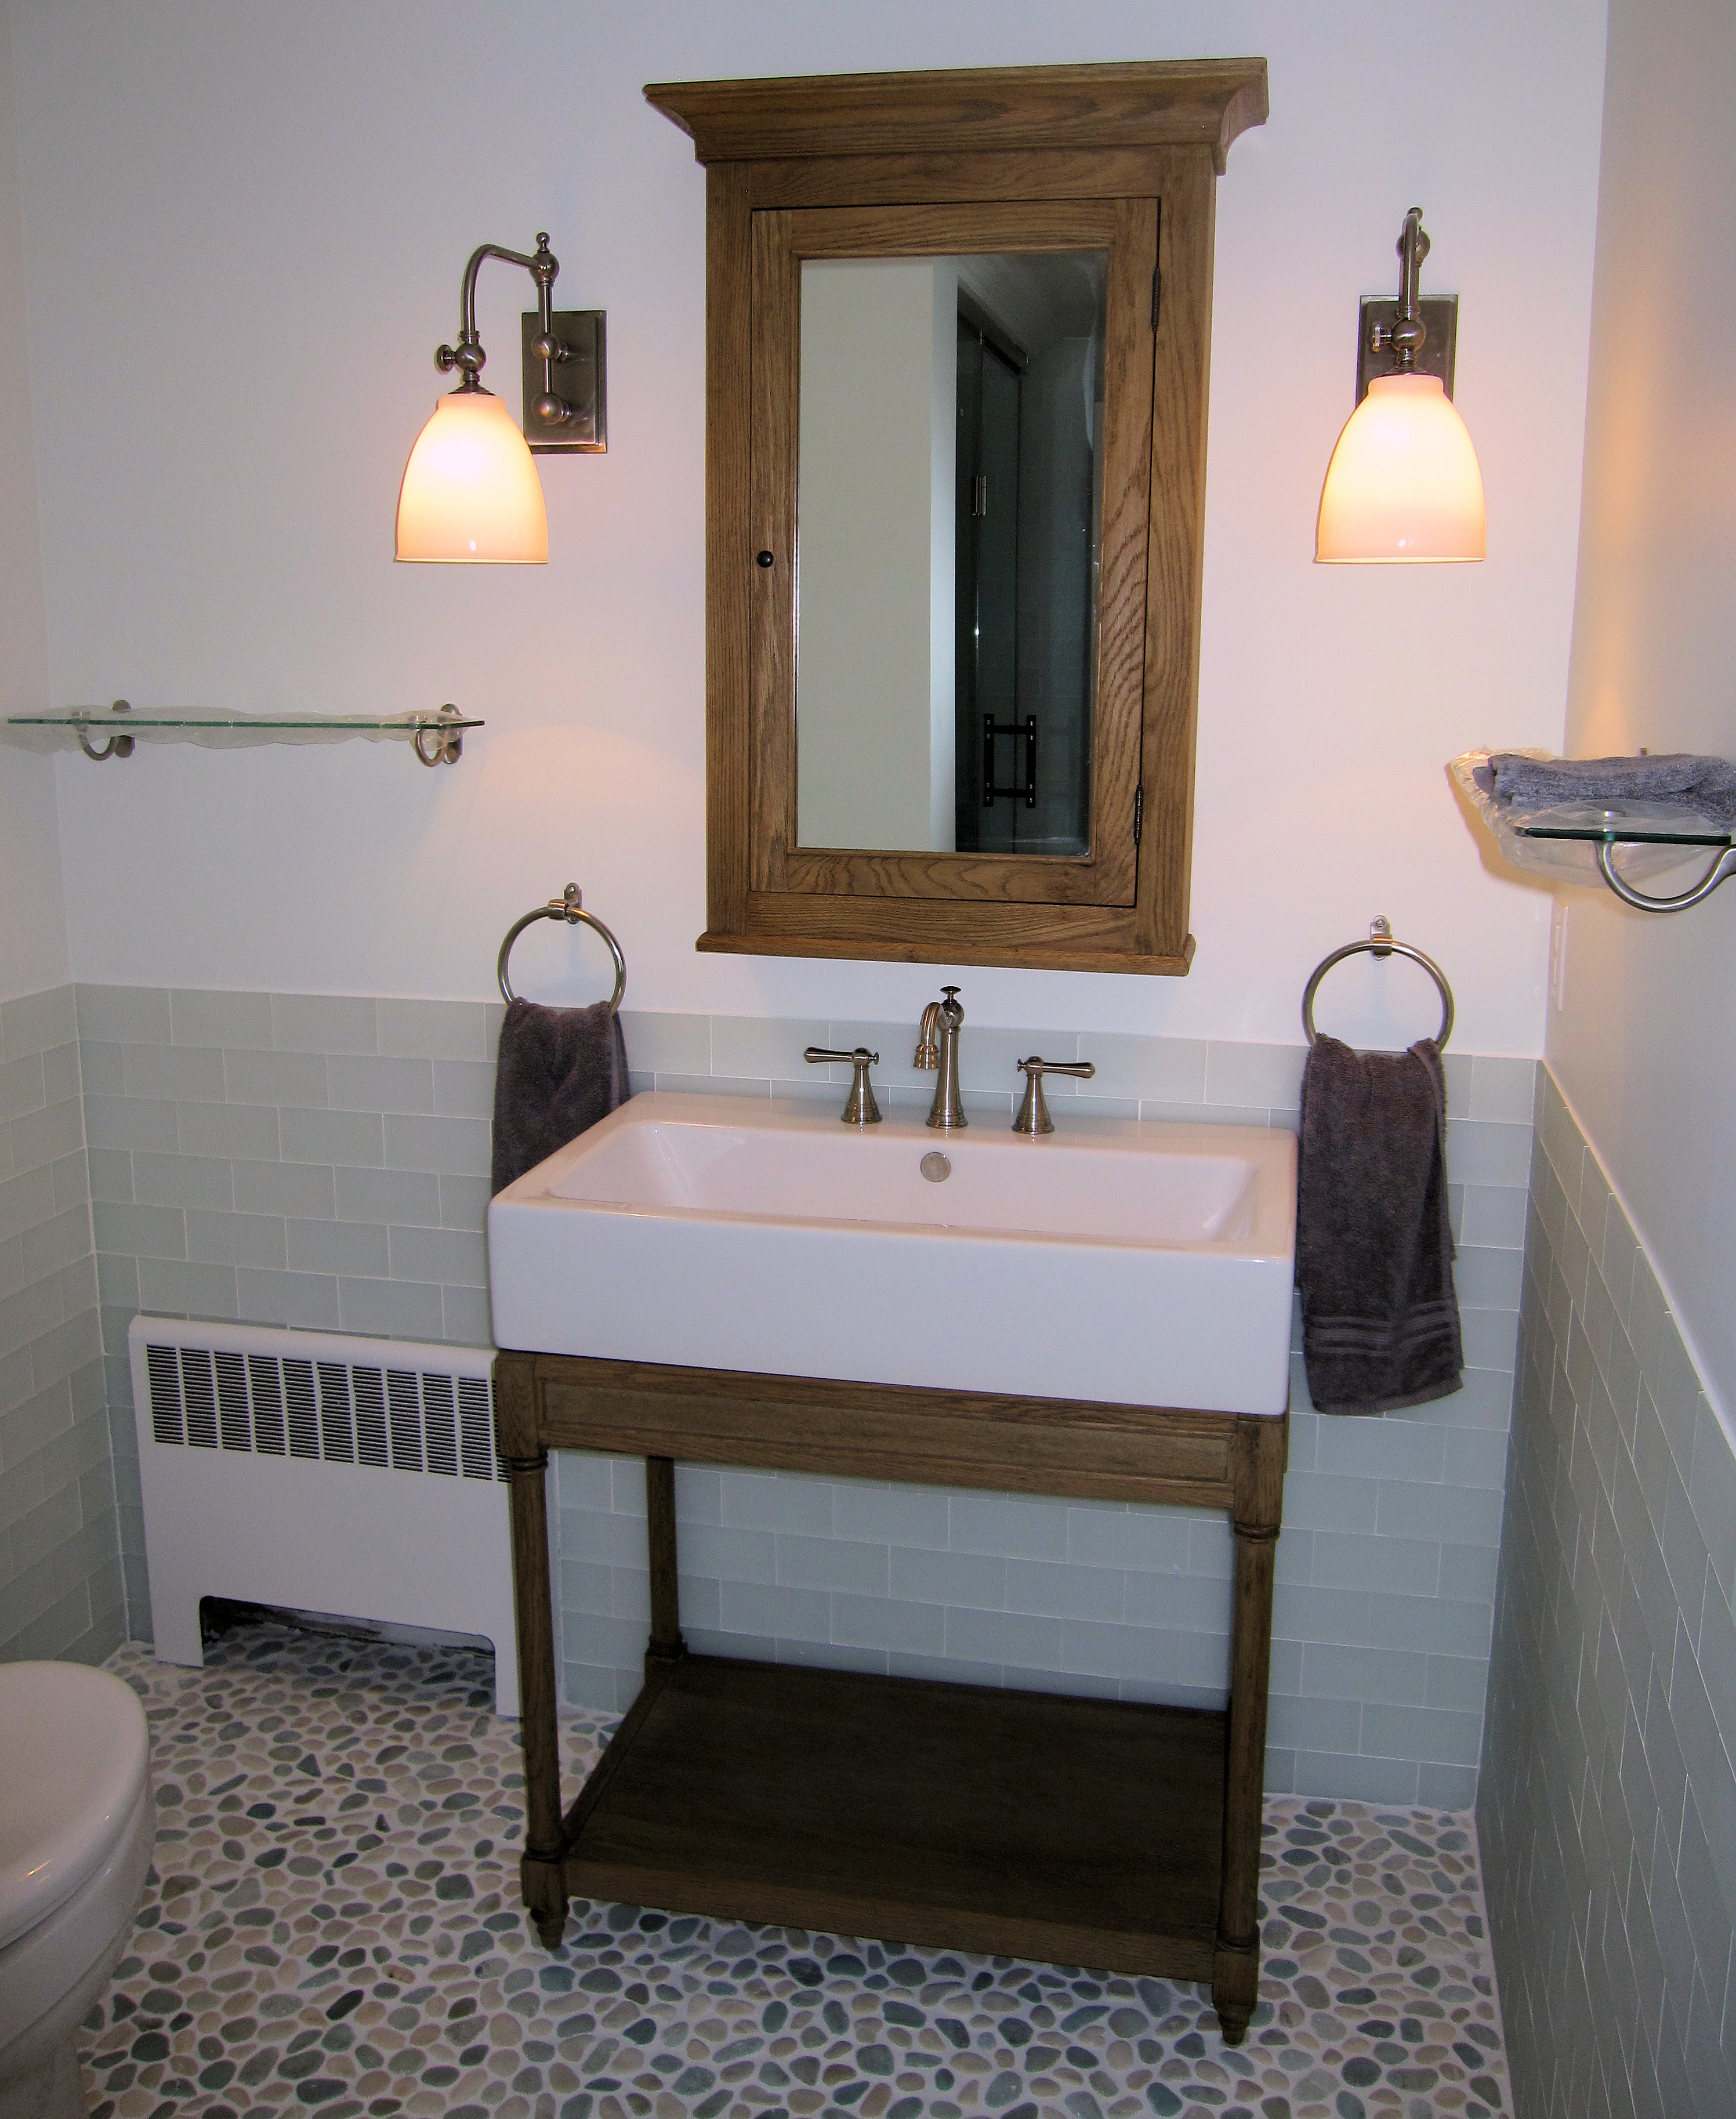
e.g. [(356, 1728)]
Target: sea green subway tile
[(1322, 1723), (323, 1022), (989, 1060), (460, 1146), (678, 1044), (1387, 1567), (392, 1308), (1195, 1664), (26, 1201), (977, 1581), (1481, 1153), (1494, 1215), (22, 1085), (1186, 1603), (302, 1189), (182, 1181), (355, 1248), (66, 1347), (464, 1314), (1458, 1515), (410, 1197), (764, 1501), (102, 1069), (44, 1136), (117, 1280), (1166, 1113), (275, 1078), (1456, 1681), (463, 1204), (270, 1297), (881, 1622), (1058, 1590), (1156, 1542), (904, 1516), (1474, 1457), (1379, 1449), (1003, 1637), (757, 1607), (827, 1563), (366, 1082), (177, 1287), (61, 1079), (1329, 1500), (1488, 1279), (1490, 1338), (239, 1020), (126, 1122), (355, 1140), (53, 1244), (752, 1047), (1433, 1626), (1021, 1530), (1167, 1069), (1332, 1671), (1255, 1075), (72, 1175), (433, 1029), (1437, 1734), (38, 1021), (182, 1072), (1503, 1090), (146, 1231), (246, 1131), (237, 1239), (132, 1015), (451, 1256), (1345, 1777), (463, 1088)]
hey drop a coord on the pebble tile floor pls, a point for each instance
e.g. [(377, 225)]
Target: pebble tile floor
[(332, 1925)]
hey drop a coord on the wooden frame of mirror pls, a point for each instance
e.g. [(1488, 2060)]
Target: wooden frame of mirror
[(1120, 158)]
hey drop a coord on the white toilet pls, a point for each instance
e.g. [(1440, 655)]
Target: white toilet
[(77, 1828)]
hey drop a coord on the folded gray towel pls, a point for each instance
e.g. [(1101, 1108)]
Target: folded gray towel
[(1677, 780), (1374, 1248), (560, 1070)]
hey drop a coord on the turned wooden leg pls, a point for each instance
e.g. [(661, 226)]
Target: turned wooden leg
[(1235, 1979), (665, 1645), (542, 1867)]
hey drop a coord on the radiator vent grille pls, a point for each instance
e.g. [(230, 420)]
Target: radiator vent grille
[(342, 1412)]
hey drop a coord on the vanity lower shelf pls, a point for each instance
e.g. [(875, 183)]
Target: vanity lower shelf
[(1019, 1824)]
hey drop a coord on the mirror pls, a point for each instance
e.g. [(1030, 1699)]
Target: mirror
[(949, 492)]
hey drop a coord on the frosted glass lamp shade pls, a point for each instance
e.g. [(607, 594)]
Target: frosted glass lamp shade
[(471, 494), (1404, 483)]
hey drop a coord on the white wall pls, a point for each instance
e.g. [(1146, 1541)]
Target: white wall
[(1646, 1044), (868, 566), (33, 927), (245, 224)]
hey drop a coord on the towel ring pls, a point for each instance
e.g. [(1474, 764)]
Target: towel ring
[(570, 908), (1380, 943)]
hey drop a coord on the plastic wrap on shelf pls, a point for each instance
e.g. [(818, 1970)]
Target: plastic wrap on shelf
[(1560, 843)]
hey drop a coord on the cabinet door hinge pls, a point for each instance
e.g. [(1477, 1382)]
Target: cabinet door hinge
[(1138, 813)]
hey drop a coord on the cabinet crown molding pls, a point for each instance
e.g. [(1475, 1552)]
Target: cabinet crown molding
[(1164, 103)]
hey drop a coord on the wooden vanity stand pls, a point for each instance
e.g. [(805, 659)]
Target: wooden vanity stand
[(1078, 1831)]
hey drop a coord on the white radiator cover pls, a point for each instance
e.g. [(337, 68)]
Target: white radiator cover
[(321, 1472)]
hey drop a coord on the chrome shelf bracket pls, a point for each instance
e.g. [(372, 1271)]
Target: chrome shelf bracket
[(1720, 871)]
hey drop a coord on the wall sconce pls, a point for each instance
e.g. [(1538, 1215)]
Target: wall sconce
[(471, 494), (1404, 483)]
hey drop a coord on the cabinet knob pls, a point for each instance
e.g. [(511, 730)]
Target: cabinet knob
[(763, 559)]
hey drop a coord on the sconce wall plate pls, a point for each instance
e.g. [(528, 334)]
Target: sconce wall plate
[(579, 381), (1378, 356)]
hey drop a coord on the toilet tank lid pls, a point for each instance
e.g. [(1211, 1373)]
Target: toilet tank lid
[(74, 1753)]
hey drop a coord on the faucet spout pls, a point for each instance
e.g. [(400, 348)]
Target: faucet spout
[(942, 1022)]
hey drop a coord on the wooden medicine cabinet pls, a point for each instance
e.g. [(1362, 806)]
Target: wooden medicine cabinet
[(958, 327)]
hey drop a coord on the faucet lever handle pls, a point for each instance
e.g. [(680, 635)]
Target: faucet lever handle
[(860, 1109), (1034, 1118)]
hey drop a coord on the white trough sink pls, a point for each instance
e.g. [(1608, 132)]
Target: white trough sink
[(1143, 1263)]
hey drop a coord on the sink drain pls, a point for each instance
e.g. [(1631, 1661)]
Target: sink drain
[(935, 1167)]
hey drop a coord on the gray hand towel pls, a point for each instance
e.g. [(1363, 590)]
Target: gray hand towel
[(1677, 780), (1374, 1249), (560, 1070)]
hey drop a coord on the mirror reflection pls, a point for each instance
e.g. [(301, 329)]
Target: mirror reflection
[(948, 502)]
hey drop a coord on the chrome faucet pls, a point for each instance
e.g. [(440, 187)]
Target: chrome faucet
[(937, 1046)]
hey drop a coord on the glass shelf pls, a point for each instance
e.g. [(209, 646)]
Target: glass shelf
[(102, 732), (1575, 841)]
